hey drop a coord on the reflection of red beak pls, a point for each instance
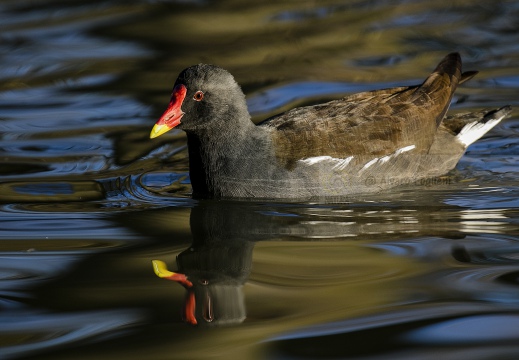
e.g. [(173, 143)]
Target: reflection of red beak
[(173, 113), (190, 302), (162, 271)]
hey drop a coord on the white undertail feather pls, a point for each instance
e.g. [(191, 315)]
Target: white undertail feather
[(475, 130)]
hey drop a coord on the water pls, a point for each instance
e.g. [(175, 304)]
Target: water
[(87, 201)]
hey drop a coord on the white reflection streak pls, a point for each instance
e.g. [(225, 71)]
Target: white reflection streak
[(481, 220)]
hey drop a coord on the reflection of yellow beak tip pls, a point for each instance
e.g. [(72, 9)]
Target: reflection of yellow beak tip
[(159, 130), (160, 269)]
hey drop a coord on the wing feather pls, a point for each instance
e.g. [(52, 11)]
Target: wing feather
[(369, 123)]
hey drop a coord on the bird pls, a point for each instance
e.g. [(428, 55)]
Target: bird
[(363, 143)]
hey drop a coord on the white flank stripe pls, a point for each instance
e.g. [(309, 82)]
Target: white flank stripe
[(386, 158), (475, 130), (404, 149), (315, 160), (338, 164), (342, 163), (369, 163)]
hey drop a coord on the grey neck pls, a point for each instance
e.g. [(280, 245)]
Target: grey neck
[(215, 152)]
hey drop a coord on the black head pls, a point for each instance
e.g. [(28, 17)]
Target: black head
[(204, 97)]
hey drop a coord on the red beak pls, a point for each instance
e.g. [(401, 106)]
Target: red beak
[(162, 271), (173, 113)]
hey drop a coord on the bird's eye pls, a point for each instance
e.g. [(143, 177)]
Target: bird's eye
[(199, 95)]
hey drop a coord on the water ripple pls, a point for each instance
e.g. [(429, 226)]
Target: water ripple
[(25, 332), (155, 189), (455, 330), (19, 271)]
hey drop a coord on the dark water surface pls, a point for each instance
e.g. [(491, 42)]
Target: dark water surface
[(87, 200)]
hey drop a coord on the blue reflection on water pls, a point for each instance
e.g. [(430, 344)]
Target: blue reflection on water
[(50, 330), (281, 95), (470, 329), (45, 189)]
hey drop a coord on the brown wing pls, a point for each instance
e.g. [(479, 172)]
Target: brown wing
[(370, 123)]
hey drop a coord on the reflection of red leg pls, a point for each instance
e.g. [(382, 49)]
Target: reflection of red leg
[(189, 308), (208, 309)]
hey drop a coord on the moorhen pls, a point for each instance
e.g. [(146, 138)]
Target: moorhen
[(362, 143)]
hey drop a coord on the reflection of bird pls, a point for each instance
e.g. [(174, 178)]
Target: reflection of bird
[(213, 278), (213, 275), (399, 134), (215, 267)]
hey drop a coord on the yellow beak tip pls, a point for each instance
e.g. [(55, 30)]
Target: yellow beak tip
[(160, 269), (159, 130)]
